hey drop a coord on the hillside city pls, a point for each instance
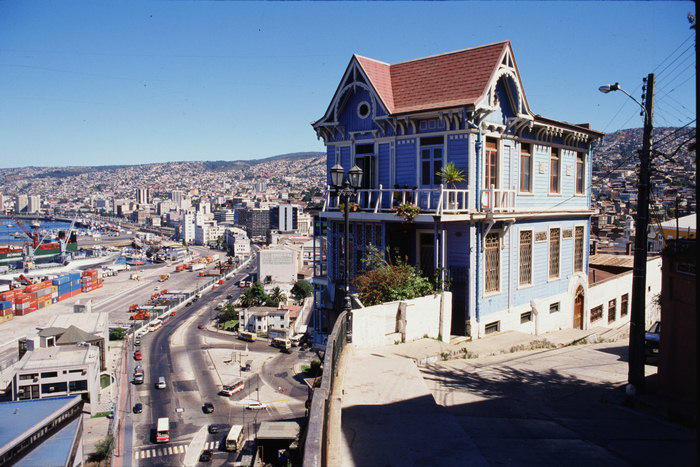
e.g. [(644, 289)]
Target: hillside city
[(298, 179)]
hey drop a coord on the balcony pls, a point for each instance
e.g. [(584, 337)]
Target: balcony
[(432, 201)]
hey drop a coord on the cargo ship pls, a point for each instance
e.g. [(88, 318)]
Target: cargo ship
[(42, 252)]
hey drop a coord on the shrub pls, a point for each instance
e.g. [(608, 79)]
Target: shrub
[(117, 334), (384, 282)]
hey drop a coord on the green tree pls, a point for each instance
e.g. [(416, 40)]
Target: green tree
[(103, 449), (384, 282), (228, 313), (275, 297), (301, 290), (254, 296), (117, 334)]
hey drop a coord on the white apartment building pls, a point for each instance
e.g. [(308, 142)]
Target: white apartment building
[(187, 227), (238, 241), (263, 318), (280, 264), (64, 359), (34, 204), (21, 203)]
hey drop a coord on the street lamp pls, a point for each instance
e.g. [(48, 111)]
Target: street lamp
[(346, 188), (637, 317)]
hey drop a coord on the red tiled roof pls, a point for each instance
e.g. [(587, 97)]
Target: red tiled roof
[(447, 80)]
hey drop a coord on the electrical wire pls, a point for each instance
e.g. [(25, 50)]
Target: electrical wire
[(691, 46), (677, 130)]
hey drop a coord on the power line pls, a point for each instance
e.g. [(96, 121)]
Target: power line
[(675, 59), (677, 75), (674, 100), (677, 130), (692, 36)]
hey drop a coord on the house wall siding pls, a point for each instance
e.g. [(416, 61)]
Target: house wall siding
[(406, 162)]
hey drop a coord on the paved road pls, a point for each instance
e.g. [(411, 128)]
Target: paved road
[(556, 407)]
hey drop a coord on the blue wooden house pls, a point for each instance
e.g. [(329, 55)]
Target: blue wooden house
[(512, 238)]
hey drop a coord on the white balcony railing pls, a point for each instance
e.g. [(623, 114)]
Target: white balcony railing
[(433, 201), (439, 200), (497, 200)]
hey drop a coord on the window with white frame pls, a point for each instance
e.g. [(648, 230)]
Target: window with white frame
[(525, 168), (525, 276), (554, 171), (491, 163), (580, 173), (578, 249), (492, 259), (554, 243)]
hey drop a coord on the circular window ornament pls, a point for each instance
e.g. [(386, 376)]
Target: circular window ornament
[(363, 109)]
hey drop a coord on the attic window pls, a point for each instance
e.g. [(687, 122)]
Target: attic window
[(363, 110)]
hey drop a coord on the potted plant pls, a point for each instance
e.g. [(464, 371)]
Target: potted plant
[(353, 207), (450, 174), (408, 211)]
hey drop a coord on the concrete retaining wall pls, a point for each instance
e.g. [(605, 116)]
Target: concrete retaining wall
[(381, 325)]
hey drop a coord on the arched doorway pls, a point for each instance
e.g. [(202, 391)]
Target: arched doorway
[(578, 308)]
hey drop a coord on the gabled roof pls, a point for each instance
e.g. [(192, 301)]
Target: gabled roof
[(51, 331), (74, 335), (440, 81)]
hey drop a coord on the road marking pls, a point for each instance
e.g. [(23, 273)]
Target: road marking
[(165, 451)]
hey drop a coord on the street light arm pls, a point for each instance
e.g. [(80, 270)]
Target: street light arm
[(635, 100)]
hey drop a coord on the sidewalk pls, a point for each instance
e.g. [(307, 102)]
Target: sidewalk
[(427, 351), (487, 389)]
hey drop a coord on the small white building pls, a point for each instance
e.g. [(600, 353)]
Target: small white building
[(238, 241), (262, 319), (279, 265)]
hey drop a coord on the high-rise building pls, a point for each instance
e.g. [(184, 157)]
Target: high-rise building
[(256, 221), (143, 195), (2, 203), (21, 204), (187, 228), (34, 204), (285, 217)]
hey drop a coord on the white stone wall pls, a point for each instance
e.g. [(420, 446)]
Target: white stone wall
[(614, 288), (376, 326)]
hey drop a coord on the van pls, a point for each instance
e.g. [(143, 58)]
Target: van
[(161, 382)]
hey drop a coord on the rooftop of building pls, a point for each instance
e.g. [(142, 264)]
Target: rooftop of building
[(49, 358), (21, 418)]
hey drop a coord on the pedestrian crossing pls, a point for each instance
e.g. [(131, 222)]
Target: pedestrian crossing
[(149, 453)]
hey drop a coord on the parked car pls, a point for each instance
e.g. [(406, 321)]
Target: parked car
[(173, 313), (138, 407), (137, 341), (256, 406), (201, 326), (208, 407), (205, 456), (138, 378), (137, 355), (651, 343), (219, 427), (229, 297)]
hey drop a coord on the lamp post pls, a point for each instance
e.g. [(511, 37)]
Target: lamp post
[(637, 318), (346, 189)]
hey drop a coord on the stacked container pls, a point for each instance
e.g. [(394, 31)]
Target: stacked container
[(6, 310), (89, 280), (63, 286), (74, 284)]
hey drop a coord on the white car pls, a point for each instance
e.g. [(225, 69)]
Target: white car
[(256, 406)]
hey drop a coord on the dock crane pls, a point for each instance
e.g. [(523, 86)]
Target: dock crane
[(63, 242)]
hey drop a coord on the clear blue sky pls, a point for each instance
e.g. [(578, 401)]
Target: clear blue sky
[(100, 82)]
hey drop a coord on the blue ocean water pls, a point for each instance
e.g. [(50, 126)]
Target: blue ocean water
[(10, 232)]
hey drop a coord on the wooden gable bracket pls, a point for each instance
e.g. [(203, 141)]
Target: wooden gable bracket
[(489, 224)]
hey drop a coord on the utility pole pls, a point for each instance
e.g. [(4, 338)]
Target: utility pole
[(637, 318)]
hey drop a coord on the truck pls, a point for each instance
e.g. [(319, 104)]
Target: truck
[(164, 277), (141, 314), (196, 266), (134, 307)]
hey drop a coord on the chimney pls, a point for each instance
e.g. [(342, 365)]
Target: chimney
[(628, 249)]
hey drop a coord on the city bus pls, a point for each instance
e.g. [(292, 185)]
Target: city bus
[(155, 325), (247, 336), (233, 388), (234, 439), (163, 430), (281, 343)]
